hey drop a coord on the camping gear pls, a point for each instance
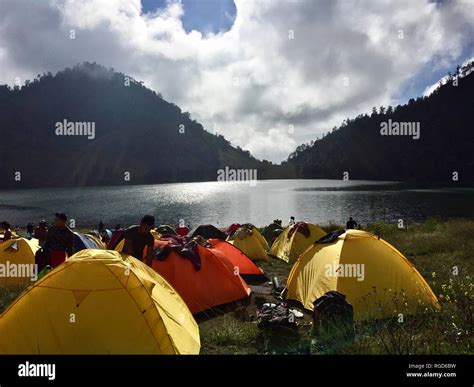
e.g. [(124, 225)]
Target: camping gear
[(269, 232), (377, 280), (276, 316), (186, 248), (294, 240), (249, 240), (333, 312), (208, 231), (214, 283), (238, 261), (99, 302), (19, 251), (301, 227)]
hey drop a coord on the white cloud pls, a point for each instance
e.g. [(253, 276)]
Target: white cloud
[(430, 89), (251, 82)]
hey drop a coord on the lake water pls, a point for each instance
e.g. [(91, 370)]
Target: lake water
[(223, 203)]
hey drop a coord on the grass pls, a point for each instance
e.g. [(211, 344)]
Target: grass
[(441, 250)]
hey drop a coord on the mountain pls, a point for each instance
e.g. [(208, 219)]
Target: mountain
[(138, 137), (444, 149)]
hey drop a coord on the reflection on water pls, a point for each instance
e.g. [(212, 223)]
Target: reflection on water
[(222, 203)]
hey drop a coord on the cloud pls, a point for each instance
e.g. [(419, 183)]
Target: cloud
[(302, 63), (431, 88)]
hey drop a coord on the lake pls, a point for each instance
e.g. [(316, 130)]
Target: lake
[(223, 203)]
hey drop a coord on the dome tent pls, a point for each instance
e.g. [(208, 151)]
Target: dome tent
[(99, 302), (248, 239), (208, 231), (237, 261), (20, 252), (292, 241), (375, 277), (269, 231), (215, 282)]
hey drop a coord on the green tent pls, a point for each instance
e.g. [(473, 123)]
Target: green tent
[(269, 231), (165, 229)]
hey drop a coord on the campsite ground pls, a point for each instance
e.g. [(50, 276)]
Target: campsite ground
[(441, 250)]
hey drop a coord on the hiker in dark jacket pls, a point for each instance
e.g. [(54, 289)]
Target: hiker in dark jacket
[(137, 237), (351, 224), (60, 241)]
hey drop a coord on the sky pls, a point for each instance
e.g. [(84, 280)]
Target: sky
[(267, 74)]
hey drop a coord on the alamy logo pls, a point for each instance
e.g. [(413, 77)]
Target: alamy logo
[(37, 370), (230, 174), (347, 270), (395, 128), (19, 270), (72, 128)]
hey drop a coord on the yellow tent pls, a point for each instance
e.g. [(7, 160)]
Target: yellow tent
[(291, 243), (120, 245), (17, 262), (375, 277), (250, 242), (99, 302)]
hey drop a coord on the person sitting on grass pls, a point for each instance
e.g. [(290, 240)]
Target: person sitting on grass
[(137, 237)]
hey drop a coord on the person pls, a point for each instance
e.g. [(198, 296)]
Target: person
[(292, 221), (30, 230), (7, 233), (101, 226), (41, 232), (137, 237), (351, 224), (60, 241)]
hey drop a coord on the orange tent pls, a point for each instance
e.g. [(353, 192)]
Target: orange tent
[(215, 283), (236, 260)]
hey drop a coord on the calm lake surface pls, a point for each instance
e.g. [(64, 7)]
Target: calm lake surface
[(223, 203)]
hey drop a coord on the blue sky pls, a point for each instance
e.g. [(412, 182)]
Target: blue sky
[(201, 15)]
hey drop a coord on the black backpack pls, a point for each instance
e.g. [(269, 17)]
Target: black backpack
[(333, 313)]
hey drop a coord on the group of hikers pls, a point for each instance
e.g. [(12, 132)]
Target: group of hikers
[(57, 240)]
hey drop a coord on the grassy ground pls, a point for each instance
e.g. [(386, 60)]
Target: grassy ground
[(442, 251)]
